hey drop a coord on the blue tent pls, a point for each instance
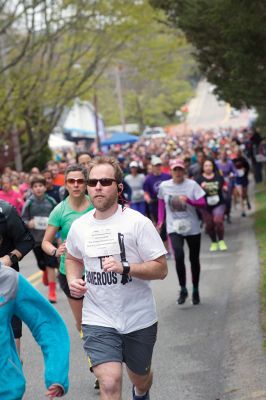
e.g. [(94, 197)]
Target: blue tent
[(119, 138)]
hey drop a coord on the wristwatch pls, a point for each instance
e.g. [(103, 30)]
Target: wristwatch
[(126, 267), (54, 253), (13, 258)]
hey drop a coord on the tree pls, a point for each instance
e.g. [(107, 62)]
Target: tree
[(51, 53), (154, 67), (229, 37)]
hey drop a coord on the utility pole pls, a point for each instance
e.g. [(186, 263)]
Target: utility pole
[(95, 104), (120, 97), (14, 131)]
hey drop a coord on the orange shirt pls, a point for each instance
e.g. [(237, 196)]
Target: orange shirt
[(59, 180)]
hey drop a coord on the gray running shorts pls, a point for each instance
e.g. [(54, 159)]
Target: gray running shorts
[(103, 344)]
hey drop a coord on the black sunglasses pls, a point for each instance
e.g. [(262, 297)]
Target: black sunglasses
[(103, 182)]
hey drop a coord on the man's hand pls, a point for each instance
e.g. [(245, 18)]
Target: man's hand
[(54, 391), (77, 288), (61, 249), (6, 261), (111, 265), (31, 224)]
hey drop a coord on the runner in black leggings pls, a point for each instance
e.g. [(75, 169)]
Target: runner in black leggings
[(179, 196)]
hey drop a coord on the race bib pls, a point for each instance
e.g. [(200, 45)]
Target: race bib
[(40, 223), (240, 172), (213, 200), (102, 242), (182, 226)]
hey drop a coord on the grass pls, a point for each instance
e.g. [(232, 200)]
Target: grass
[(260, 229)]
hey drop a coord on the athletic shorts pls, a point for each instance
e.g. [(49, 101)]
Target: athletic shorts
[(103, 344), (242, 181), (16, 327), (43, 260), (64, 286)]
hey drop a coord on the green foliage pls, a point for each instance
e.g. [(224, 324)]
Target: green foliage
[(51, 53), (154, 67), (229, 37)]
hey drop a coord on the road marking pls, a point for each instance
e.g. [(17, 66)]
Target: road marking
[(35, 283), (35, 278)]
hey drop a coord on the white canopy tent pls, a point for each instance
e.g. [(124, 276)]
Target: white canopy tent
[(56, 142), (80, 121)]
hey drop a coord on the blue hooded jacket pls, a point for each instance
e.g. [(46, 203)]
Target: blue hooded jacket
[(18, 297)]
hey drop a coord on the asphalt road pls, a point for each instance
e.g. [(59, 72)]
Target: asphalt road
[(207, 352), (205, 111)]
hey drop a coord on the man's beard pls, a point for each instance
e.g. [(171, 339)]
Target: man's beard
[(104, 203)]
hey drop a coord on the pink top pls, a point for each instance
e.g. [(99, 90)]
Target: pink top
[(23, 188), (14, 198)]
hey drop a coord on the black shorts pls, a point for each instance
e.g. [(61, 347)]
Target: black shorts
[(43, 260), (16, 327), (103, 344), (64, 286)]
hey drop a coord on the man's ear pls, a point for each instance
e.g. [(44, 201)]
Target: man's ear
[(120, 188)]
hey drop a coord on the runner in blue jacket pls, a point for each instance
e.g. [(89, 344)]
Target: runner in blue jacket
[(18, 297)]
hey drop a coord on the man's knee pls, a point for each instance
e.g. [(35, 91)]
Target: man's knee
[(110, 385)]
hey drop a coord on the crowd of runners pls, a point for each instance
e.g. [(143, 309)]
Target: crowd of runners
[(95, 218)]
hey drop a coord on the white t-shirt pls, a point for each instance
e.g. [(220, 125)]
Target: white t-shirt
[(136, 184), (108, 302), (177, 214)]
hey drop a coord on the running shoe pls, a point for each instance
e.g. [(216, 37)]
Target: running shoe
[(243, 214), (144, 397), (222, 245), (45, 278), (182, 296), (96, 384), (214, 246), (195, 297), (52, 292)]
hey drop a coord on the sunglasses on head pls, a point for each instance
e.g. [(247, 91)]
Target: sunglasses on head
[(79, 181), (103, 182)]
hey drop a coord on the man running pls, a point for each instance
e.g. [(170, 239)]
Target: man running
[(121, 251)]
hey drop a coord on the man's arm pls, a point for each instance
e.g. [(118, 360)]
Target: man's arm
[(74, 273), (148, 270), (19, 235)]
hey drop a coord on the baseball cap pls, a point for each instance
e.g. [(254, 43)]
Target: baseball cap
[(133, 164), (156, 160), (177, 164)]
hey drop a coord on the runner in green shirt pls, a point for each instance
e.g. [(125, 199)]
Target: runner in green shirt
[(60, 219)]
